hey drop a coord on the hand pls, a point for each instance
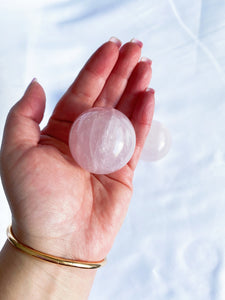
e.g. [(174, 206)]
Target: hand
[(57, 207)]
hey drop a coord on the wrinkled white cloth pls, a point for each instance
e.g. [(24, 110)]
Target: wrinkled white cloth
[(172, 243)]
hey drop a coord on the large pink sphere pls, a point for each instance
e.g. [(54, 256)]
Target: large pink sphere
[(102, 140)]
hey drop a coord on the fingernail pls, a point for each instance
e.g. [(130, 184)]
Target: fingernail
[(146, 59), (34, 80), (139, 43), (150, 90), (30, 84), (116, 41)]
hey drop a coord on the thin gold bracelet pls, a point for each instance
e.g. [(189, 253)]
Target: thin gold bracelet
[(52, 258)]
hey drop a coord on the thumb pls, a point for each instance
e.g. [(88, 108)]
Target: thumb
[(22, 125)]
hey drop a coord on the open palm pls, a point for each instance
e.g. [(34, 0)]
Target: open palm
[(58, 207)]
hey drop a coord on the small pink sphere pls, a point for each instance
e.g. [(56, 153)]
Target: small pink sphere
[(102, 140), (158, 142)]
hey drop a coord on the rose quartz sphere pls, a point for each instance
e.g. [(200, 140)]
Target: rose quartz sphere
[(158, 142), (102, 140)]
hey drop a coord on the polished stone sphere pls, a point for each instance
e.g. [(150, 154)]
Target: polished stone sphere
[(102, 140), (157, 144)]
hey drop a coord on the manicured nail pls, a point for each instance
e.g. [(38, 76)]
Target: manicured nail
[(139, 43), (115, 41), (150, 90), (30, 84), (146, 59)]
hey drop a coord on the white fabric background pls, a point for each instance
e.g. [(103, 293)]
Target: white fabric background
[(172, 243)]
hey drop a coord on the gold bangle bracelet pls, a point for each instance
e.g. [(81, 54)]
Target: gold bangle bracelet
[(52, 258)]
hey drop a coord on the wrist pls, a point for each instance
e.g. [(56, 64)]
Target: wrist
[(68, 245), (40, 279), (51, 258)]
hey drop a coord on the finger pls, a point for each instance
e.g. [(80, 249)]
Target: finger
[(58, 129), (142, 119), (138, 82), (117, 81), (89, 83), (22, 124)]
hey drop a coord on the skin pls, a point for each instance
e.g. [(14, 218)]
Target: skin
[(56, 206)]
